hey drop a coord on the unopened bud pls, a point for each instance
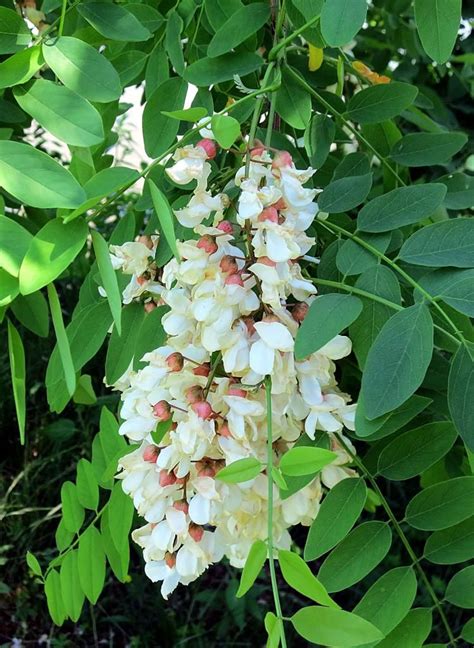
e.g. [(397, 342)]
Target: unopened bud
[(282, 159), (146, 240), (175, 361), (228, 264), (167, 478), (162, 410), (269, 214), (267, 261), (151, 453), (280, 204), (235, 391), (207, 243), (250, 324), (170, 559), (196, 532), (203, 409), (257, 151), (225, 226), (181, 505), (234, 280), (203, 369), (224, 430), (299, 311), (209, 146), (195, 394), (149, 306), (207, 471)]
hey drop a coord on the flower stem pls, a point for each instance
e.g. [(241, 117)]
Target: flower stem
[(271, 560), (61, 19)]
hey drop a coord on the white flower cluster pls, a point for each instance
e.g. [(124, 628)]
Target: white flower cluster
[(236, 299)]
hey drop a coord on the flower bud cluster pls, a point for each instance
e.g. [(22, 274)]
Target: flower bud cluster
[(236, 299)]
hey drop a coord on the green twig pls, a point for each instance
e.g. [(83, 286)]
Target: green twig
[(62, 17)]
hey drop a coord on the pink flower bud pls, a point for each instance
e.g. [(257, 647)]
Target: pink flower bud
[(266, 261), (270, 318), (196, 532), (203, 369), (170, 559), (180, 481), (280, 204), (228, 264), (268, 214), (149, 306), (207, 243), (225, 226), (234, 280), (167, 478), (142, 280), (299, 311), (282, 159), (257, 151), (209, 146), (225, 431), (202, 409), (181, 505), (235, 391), (207, 471), (175, 361), (195, 394), (151, 453), (162, 410), (146, 240), (250, 324)]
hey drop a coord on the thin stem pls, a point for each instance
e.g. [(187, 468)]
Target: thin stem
[(402, 536), (271, 560), (339, 115), (212, 374), (401, 272), (62, 17), (256, 116), (285, 41)]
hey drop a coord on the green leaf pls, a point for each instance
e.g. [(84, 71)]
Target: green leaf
[(253, 566), (460, 190), (15, 241), (225, 129), (91, 561), (54, 598), (20, 67), (341, 20), (452, 545), (32, 312), (411, 632), (468, 631), (9, 288), (129, 65), (36, 179), (293, 103), (238, 27), (300, 577), (274, 627), (110, 440), (381, 282), (174, 27), (305, 460), (82, 69), (389, 599), (426, 149), (84, 394), (339, 511), (400, 207), (389, 423), (122, 346), (72, 594), (16, 354), (108, 277), (15, 34), (63, 537), (390, 375), (416, 450), (118, 561), (33, 564), (460, 590), (114, 21), (294, 484), (353, 259), (86, 484), (327, 317), (441, 505), (188, 114), (209, 71), (241, 470), (62, 339), (318, 137), (356, 556), (438, 24), (380, 102), (62, 112), (159, 131), (461, 394), (345, 193), (73, 513), (51, 251), (120, 516), (454, 287), (331, 627), (448, 243), (165, 216), (151, 336)]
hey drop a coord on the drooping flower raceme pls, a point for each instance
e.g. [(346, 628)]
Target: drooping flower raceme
[(235, 301)]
